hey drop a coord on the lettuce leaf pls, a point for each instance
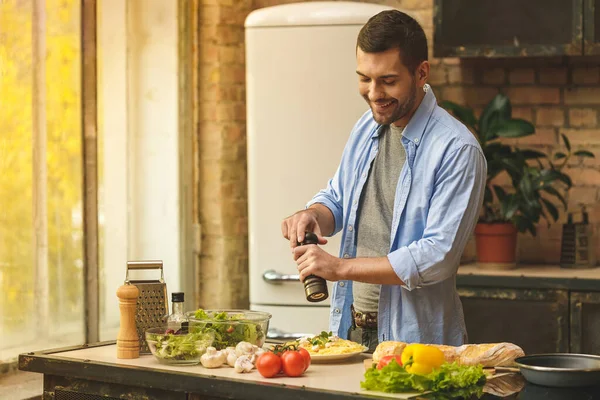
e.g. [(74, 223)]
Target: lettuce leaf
[(449, 378)]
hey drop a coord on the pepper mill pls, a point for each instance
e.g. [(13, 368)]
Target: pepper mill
[(128, 344), (315, 287)]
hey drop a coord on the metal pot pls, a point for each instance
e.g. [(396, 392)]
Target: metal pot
[(561, 369)]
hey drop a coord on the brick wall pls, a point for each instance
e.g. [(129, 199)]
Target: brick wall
[(559, 95)]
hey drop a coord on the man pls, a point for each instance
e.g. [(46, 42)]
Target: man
[(406, 197)]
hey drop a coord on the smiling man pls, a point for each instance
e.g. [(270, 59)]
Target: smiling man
[(406, 197)]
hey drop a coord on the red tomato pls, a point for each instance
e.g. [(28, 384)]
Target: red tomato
[(387, 359), (306, 356), (268, 364), (293, 363)]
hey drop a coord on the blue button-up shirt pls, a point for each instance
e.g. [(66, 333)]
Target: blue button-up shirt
[(437, 202)]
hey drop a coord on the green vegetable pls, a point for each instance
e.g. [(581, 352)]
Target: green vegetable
[(228, 330), (458, 380), (181, 347), (321, 340)]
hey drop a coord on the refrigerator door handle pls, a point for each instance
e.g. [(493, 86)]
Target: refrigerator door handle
[(275, 335), (272, 276)]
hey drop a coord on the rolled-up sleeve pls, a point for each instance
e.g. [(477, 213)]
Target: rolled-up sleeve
[(453, 212), (331, 197)]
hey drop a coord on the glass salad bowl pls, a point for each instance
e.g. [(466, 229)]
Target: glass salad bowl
[(230, 327), (183, 347)]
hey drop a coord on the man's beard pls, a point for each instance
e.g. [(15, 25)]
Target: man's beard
[(401, 111)]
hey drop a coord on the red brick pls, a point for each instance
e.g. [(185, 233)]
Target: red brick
[(581, 195), (583, 136), (583, 117), (589, 95), (458, 74), (502, 179), (586, 75), (471, 96), (533, 95), (521, 75), (525, 113), (437, 76), (424, 17), (553, 76), (583, 176), (494, 76), (550, 116), (542, 136)]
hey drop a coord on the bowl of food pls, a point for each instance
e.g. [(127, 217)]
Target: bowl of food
[(230, 327), (181, 347)]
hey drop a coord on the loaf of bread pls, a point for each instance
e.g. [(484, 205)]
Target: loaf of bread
[(486, 354)]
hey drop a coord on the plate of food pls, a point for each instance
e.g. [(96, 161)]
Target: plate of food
[(326, 347)]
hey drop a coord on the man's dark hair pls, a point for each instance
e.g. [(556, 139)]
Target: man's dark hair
[(395, 29)]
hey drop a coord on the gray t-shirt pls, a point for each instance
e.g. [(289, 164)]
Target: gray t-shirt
[(376, 209)]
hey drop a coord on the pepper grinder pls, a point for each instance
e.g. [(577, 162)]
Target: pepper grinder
[(128, 343), (315, 287)]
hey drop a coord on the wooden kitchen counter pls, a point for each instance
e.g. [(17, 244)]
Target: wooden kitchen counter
[(94, 373), (530, 277), (95, 369), (85, 373)]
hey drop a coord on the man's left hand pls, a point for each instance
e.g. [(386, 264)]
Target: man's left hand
[(313, 260)]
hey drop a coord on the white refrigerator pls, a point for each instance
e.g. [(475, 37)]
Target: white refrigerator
[(302, 102)]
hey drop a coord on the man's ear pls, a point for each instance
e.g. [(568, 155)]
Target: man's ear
[(422, 73)]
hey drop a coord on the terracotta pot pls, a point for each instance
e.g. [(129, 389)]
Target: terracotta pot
[(496, 245)]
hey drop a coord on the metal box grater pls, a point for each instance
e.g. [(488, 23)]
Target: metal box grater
[(152, 305), (577, 246)]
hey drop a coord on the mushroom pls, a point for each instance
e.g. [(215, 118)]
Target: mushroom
[(243, 364), (231, 356), (213, 358), (244, 348), (258, 351)]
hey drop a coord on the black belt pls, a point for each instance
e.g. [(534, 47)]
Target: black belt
[(364, 320)]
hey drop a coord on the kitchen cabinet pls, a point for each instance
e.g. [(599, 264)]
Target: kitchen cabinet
[(508, 28), (585, 323), (542, 308), (536, 320)]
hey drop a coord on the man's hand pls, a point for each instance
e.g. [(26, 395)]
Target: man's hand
[(294, 227), (313, 260)]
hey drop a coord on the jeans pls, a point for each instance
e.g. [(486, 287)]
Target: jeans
[(366, 336)]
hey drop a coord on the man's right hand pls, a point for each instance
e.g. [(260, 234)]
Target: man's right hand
[(294, 227)]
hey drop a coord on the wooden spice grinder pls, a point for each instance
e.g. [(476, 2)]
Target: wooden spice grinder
[(128, 344), (315, 287)]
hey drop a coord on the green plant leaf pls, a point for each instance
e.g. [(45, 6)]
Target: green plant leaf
[(500, 193), (530, 154), (488, 196), (551, 209), (509, 206), (584, 153), (566, 141), (551, 190), (551, 175), (559, 155), (498, 109), (513, 128), (464, 114), (523, 225)]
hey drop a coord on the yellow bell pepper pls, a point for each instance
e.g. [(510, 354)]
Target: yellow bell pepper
[(421, 359)]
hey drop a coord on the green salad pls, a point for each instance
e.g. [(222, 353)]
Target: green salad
[(450, 379), (228, 329), (185, 346)]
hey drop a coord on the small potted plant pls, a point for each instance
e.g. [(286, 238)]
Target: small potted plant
[(538, 181)]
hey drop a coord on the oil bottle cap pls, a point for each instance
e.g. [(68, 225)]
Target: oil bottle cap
[(177, 297)]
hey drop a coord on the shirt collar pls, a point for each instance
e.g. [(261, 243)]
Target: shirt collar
[(416, 126)]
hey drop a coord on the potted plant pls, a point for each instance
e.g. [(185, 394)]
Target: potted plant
[(537, 180)]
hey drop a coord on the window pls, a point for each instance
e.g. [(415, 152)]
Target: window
[(41, 200)]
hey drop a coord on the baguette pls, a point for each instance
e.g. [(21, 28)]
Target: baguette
[(486, 354)]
